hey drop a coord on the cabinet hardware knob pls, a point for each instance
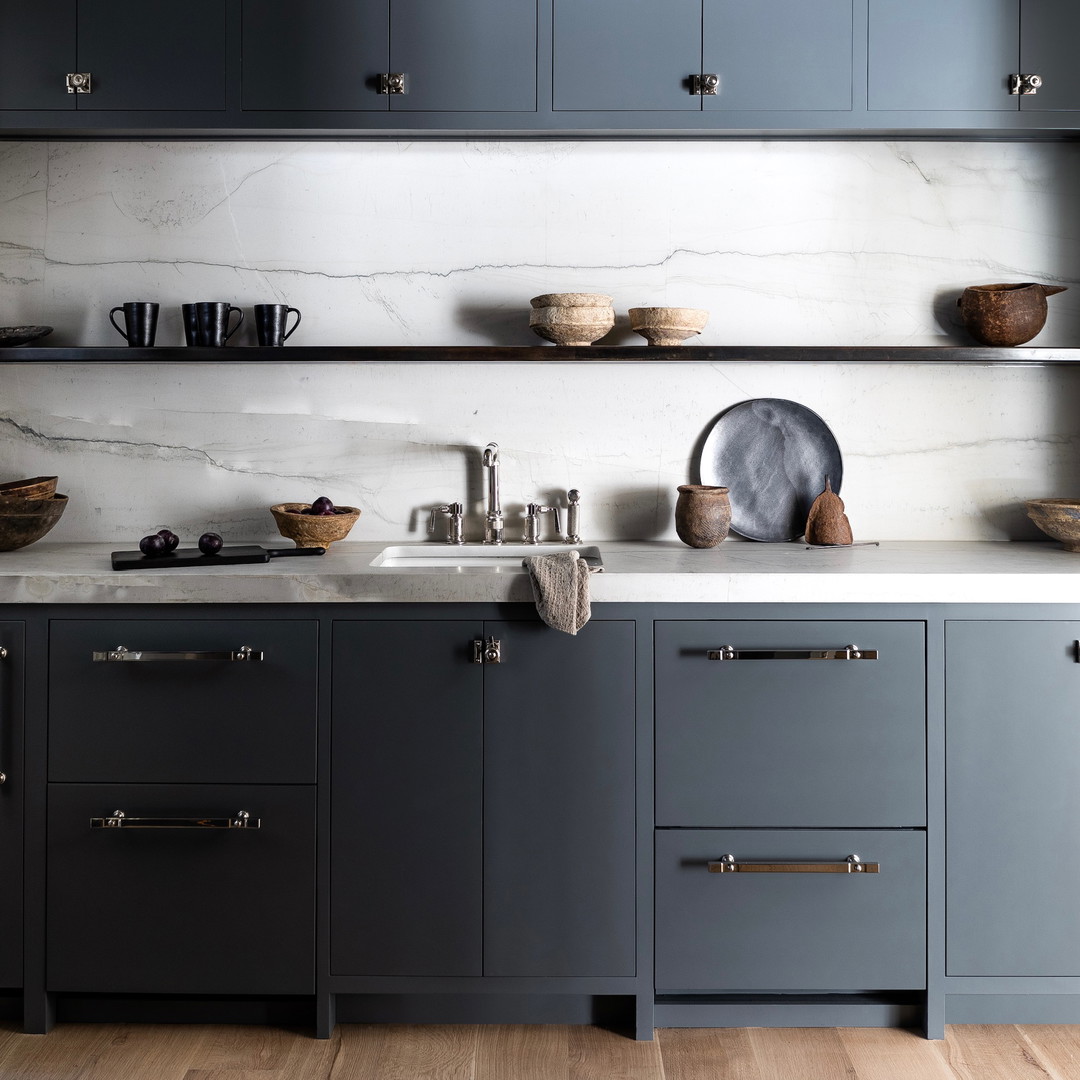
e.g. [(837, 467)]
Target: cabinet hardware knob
[(728, 864), (704, 85), (1024, 84), (78, 82), (393, 82), (487, 652)]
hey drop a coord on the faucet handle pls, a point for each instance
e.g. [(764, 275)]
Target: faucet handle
[(573, 516), (532, 521), (454, 527)]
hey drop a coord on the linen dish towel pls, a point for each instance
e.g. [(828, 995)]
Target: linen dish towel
[(560, 585)]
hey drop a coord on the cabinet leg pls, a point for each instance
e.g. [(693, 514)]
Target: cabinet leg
[(39, 1012), (326, 1015), (934, 1017), (644, 1019)]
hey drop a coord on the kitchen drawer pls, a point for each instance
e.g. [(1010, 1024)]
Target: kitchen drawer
[(784, 742), (183, 720), (788, 931), (181, 910)]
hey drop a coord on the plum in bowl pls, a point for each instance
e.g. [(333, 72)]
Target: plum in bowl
[(306, 529)]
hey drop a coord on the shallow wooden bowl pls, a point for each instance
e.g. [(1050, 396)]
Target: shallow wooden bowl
[(22, 521), (1059, 518), (313, 530), (37, 487)]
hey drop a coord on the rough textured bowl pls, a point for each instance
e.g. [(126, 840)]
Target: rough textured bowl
[(22, 521), (313, 530), (667, 325), (1059, 518), (37, 487), (571, 318)]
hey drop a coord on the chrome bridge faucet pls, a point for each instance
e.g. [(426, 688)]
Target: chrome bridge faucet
[(493, 518)]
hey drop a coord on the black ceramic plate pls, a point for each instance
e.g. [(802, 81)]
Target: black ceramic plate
[(773, 455), (20, 335)]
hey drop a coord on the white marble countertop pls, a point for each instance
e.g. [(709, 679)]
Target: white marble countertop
[(663, 571)]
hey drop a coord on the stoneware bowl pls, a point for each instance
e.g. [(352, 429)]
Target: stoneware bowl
[(667, 325), (571, 318), (1059, 518), (23, 521), (313, 530), (37, 487)]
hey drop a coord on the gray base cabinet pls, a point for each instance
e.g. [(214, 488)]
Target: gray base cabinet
[(483, 815), (12, 793), (1013, 798)]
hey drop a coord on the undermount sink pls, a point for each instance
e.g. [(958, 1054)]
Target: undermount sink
[(453, 558)]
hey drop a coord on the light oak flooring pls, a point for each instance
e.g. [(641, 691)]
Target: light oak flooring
[(399, 1052)]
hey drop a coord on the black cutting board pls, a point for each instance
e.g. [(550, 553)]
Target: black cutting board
[(773, 456), (173, 560)]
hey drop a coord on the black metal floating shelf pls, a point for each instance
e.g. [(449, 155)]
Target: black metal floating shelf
[(463, 354)]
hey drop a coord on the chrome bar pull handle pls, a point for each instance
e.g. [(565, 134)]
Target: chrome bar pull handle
[(849, 652), (728, 864), (119, 820), (122, 654), (3, 656)]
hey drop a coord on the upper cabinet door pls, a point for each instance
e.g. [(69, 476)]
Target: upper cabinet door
[(633, 55), (152, 54), (778, 54), (467, 56), (943, 54), (37, 51), (318, 55), (1049, 31)]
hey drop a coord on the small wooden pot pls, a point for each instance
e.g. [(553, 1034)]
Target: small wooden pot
[(702, 515)]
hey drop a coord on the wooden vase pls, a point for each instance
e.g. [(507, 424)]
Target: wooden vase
[(702, 515)]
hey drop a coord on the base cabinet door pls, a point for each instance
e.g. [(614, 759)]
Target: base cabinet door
[(1012, 798), (11, 800), (778, 926), (185, 907)]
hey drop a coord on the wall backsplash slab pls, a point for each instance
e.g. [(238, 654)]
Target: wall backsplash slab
[(842, 243)]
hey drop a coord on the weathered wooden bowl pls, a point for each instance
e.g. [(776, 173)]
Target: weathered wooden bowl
[(22, 521), (1059, 518), (313, 530), (37, 487)]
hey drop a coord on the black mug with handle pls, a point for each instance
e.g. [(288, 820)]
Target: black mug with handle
[(140, 323), (270, 321), (207, 323)]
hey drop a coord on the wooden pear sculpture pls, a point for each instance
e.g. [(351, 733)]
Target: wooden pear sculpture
[(827, 524)]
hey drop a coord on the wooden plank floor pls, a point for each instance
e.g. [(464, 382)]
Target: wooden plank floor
[(401, 1052)]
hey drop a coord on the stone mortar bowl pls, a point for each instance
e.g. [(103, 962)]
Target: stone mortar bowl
[(571, 318), (1059, 518), (313, 530), (667, 325)]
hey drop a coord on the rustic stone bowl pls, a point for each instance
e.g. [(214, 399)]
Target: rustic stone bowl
[(1059, 518), (23, 521), (571, 318), (667, 325), (313, 530), (37, 487)]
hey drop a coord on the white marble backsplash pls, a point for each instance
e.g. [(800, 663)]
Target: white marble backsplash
[(443, 243)]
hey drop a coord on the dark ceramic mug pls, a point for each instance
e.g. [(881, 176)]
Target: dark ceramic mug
[(270, 320), (206, 323), (140, 323)]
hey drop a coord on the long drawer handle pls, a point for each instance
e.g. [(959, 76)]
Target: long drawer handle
[(727, 864), (3, 775), (849, 652), (119, 820), (122, 653)]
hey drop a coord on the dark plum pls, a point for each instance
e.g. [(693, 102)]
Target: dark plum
[(210, 543), (322, 505), (153, 545), (170, 538)]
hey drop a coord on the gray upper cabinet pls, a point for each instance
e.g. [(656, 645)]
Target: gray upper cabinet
[(1012, 798), (140, 56), (962, 55), (610, 55), (325, 55)]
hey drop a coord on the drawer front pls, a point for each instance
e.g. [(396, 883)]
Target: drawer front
[(784, 742), (190, 910), (788, 931), (183, 721)]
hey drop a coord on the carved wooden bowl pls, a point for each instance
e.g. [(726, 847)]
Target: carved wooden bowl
[(37, 487), (23, 521), (313, 530), (1059, 518)]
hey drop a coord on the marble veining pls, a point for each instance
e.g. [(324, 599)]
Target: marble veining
[(443, 243)]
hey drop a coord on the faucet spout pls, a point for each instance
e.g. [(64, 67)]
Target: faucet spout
[(493, 519)]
